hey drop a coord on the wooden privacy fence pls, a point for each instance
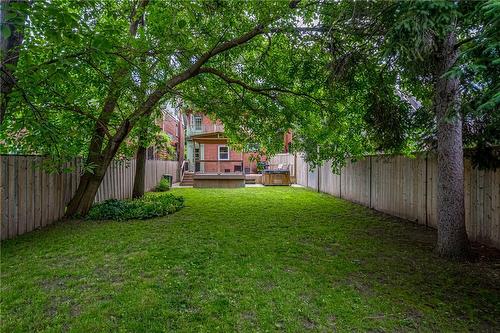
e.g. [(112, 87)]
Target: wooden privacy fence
[(31, 198), (407, 188), (287, 160)]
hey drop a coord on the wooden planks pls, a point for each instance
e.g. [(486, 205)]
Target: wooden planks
[(312, 178), (31, 198), (398, 186), (355, 181), (407, 188), (4, 197)]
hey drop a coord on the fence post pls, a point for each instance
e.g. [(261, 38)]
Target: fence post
[(426, 192), (318, 170), (340, 182), (370, 180)]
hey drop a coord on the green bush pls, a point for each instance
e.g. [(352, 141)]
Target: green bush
[(144, 208), (163, 185)]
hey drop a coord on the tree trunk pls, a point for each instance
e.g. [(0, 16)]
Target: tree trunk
[(140, 173), (452, 237), (9, 49), (84, 197)]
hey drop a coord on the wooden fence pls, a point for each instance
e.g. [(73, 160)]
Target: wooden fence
[(407, 188), (31, 198), (286, 160)]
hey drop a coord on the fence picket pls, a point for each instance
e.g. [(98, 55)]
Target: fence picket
[(407, 188)]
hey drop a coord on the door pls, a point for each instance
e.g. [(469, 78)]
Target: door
[(196, 159), (199, 155)]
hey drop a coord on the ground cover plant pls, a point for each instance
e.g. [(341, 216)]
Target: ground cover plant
[(253, 259), (143, 208)]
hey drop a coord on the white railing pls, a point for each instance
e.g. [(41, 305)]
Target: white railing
[(193, 130)]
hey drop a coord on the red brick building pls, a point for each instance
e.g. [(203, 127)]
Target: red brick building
[(208, 150), (172, 124)]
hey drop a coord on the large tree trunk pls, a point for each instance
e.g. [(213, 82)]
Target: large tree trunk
[(85, 194), (9, 50), (140, 173), (452, 237), (84, 197)]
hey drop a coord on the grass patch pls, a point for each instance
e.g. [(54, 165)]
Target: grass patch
[(252, 259), (144, 208)]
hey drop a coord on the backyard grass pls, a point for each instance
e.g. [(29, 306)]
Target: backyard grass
[(253, 259)]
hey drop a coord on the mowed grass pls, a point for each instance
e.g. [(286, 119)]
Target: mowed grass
[(253, 259)]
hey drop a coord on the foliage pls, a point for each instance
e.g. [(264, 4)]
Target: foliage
[(381, 74), (248, 260), (143, 208), (163, 185), (348, 77), (80, 57)]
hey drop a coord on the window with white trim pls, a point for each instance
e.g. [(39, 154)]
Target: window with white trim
[(197, 123), (223, 153)]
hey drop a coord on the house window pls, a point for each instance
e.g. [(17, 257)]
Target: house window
[(197, 123), (223, 153)]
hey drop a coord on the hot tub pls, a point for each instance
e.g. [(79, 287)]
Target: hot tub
[(276, 177)]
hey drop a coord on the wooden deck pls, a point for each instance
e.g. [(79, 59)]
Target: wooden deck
[(216, 180)]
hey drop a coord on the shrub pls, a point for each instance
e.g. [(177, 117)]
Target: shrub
[(144, 208), (163, 185)]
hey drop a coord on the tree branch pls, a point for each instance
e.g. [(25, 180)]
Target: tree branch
[(259, 90), (192, 71)]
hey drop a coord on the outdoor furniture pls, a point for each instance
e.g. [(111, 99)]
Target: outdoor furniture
[(276, 177)]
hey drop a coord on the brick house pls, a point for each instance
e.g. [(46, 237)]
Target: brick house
[(208, 150), (171, 123)]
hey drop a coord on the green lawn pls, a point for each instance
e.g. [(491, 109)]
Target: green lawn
[(254, 259)]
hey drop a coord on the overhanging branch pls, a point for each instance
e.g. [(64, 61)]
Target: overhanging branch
[(266, 91)]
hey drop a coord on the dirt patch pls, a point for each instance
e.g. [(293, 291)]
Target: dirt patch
[(75, 310), (485, 254), (306, 297), (56, 283), (55, 302), (332, 250), (308, 324), (362, 287), (109, 274), (268, 286), (249, 316)]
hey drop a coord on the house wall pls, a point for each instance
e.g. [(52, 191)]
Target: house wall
[(174, 128), (210, 151), (287, 140)]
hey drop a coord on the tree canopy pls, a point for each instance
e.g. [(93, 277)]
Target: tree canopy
[(350, 78)]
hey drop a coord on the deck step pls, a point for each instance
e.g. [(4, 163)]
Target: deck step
[(187, 179)]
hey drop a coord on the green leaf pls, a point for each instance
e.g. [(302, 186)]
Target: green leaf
[(5, 31), (181, 23)]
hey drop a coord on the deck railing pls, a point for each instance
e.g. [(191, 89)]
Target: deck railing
[(195, 130), (219, 166)]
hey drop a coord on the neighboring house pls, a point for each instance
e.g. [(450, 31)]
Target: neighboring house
[(208, 150), (172, 124)]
